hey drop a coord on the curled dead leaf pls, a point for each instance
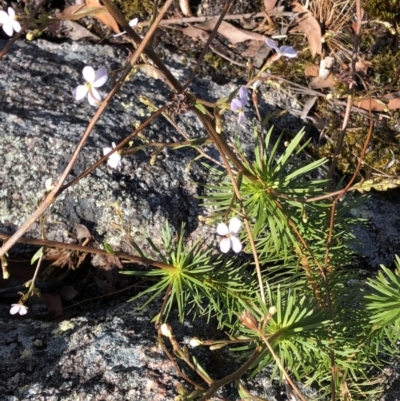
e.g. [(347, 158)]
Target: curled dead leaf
[(310, 26), (269, 5), (105, 17)]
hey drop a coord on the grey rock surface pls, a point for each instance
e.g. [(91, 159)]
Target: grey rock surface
[(111, 354), (40, 125)]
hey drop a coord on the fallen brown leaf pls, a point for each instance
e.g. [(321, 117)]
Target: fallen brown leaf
[(195, 33), (310, 26), (320, 83), (311, 71), (76, 31), (82, 232), (70, 12), (390, 101), (233, 34), (253, 49), (362, 66), (269, 5), (248, 23), (105, 17)]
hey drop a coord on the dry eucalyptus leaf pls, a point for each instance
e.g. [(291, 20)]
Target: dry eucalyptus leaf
[(82, 232), (70, 12), (253, 49), (269, 5), (233, 34), (362, 66), (390, 101), (308, 105), (319, 83), (248, 23), (195, 33), (184, 5), (105, 17), (76, 31), (311, 71), (310, 26)]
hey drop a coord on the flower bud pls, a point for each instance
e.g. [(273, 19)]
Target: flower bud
[(165, 330), (248, 320), (194, 342)]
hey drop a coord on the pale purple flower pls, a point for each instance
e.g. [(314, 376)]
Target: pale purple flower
[(238, 105), (229, 233), (114, 160), (10, 24), (18, 308), (131, 23), (94, 79), (284, 51)]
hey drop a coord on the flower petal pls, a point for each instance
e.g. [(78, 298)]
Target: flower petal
[(106, 150), (236, 244), (133, 22), (23, 310), (11, 12), (240, 118), (236, 105), (80, 92), (234, 225), (243, 95), (288, 51), (225, 245), (7, 28), (114, 160), (3, 17), (14, 309), (89, 74), (271, 43), (100, 78), (16, 25), (94, 97), (222, 229)]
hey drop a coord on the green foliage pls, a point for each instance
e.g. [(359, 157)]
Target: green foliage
[(384, 302), (387, 10), (323, 323), (195, 280), (296, 332)]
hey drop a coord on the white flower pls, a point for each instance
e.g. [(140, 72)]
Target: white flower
[(285, 51), (229, 233), (114, 160), (94, 79), (132, 24), (49, 185), (10, 24), (18, 308), (194, 342)]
